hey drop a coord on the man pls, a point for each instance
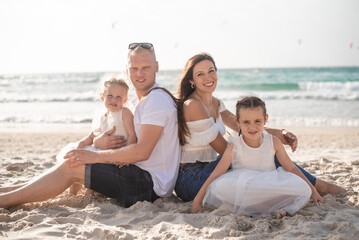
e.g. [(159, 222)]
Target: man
[(147, 169)]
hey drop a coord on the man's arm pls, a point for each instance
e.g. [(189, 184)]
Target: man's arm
[(137, 152), (140, 151)]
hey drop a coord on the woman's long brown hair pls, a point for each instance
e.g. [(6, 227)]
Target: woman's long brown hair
[(182, 126)]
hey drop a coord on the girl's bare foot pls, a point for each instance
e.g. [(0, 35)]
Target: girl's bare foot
[(325, 188), (281, 214)]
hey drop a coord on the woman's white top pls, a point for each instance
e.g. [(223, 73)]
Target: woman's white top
[(202, 132)]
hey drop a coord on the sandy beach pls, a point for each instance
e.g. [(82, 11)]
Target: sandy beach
[(329, 153)]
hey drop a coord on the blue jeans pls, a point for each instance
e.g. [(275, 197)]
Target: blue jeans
[(192, 176), (127, 184)]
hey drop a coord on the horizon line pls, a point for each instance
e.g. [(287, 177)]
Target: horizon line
[(218, 68)]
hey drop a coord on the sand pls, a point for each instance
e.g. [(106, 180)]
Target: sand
[(329, 153)]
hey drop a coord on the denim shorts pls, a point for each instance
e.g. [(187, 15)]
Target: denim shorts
[(127, 184), (192, 176)]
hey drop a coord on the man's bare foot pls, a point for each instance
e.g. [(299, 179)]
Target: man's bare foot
[(281, 214), (75, 188), (325, 188)]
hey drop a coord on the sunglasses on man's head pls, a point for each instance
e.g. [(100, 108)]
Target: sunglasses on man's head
[(144, 45)]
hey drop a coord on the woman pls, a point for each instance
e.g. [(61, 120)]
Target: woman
[(206, 118)]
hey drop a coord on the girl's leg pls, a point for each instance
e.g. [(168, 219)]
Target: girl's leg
[(47, 186), (322, 186)]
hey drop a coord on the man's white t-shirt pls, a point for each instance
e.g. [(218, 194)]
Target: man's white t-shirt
[(158, 108)]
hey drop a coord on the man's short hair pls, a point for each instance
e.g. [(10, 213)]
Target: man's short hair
[(139, 49)]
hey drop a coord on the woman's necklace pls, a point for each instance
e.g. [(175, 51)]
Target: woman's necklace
[(211, 110)]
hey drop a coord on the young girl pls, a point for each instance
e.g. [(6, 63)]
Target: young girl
[(114, 96), (255, 187)]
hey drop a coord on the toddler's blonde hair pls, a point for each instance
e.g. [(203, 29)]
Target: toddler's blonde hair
[(111, 78), (119, 81)]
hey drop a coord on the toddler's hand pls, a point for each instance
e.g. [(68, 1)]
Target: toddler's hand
[(80, 145)]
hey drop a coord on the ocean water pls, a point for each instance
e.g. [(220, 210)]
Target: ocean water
[(294, 96)]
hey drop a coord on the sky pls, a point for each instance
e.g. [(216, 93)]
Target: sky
[(44, 36)]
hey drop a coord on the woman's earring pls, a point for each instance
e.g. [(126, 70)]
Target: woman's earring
[(192, 85)]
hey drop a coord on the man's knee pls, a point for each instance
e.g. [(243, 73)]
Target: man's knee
[(76, 174)]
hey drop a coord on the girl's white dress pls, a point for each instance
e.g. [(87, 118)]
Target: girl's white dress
[(100, 124), (255, 187)]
